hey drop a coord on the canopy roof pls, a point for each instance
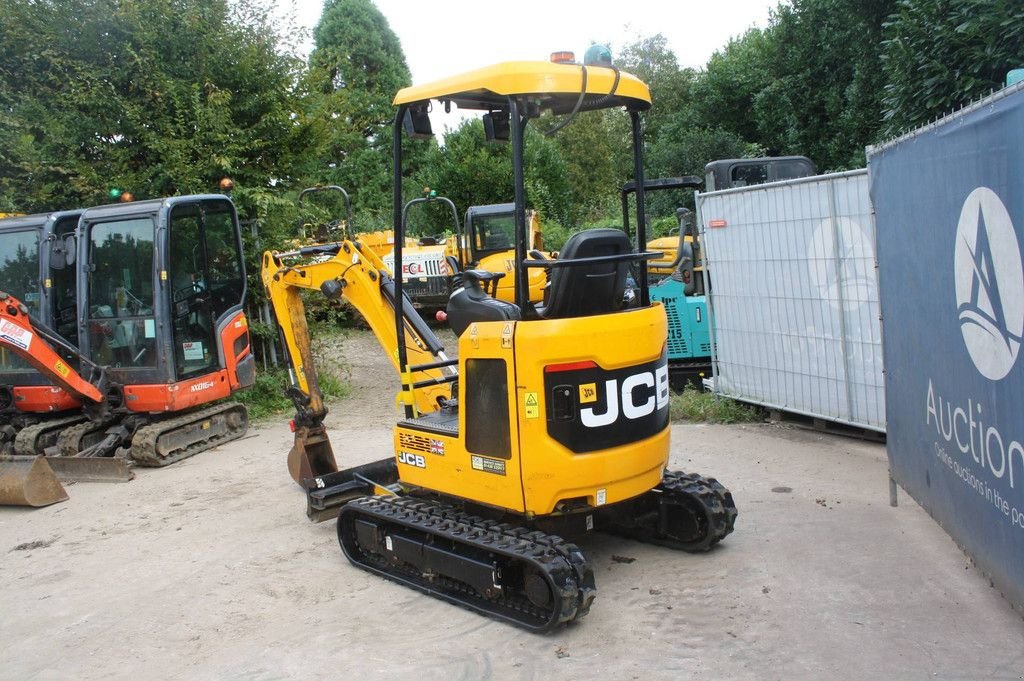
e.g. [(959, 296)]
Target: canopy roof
[(553, 86)]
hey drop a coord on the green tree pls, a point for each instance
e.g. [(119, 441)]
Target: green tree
[(471, 171), (682, 131), (355, 70), (591, 146), (723, 94), (826, 101), (652, 60), (156, 97), (810, 84), (941, 54)]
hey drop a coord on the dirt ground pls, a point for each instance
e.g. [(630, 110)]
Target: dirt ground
[(209, 570)]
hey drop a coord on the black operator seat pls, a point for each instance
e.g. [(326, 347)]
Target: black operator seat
[(590, 289), (470, 303)]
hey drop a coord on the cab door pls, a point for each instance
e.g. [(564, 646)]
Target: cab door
[(206, 281)]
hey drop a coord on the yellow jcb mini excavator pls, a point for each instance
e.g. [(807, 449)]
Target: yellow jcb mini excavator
[(553, 422)]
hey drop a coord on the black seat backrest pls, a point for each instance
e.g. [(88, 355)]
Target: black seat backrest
[(588, 289), (470, 303)]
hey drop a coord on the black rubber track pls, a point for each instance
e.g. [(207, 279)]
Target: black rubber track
[(523, 559)]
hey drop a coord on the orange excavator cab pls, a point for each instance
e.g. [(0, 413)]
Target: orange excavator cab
[(161, 334)]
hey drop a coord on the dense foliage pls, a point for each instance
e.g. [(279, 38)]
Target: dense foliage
[(355, 69), (156, 96), (162, 97), (167, 96), (940, 54)]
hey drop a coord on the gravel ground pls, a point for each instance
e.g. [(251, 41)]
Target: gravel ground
[(209, 569)]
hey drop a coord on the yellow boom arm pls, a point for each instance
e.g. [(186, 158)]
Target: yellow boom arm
[(345, 270)]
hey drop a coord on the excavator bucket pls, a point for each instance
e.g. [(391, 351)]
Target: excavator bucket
[(311, 455), (29, 481)]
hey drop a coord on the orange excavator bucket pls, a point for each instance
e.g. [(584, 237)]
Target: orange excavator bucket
[(29, 481)]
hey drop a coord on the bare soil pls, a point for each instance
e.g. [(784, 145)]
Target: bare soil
[(208, 569)]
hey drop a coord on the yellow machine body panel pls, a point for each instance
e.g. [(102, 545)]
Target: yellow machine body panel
[(570, 420), (669, 245), (472, 465), (506, 262), (380, 242), (624, 456)]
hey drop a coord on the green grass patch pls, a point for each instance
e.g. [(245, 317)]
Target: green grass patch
[(266, 398), (704, 407)]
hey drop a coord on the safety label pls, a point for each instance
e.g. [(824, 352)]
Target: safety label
[(15, 335), (193, 351), (532, 406), (61, 368), (482, 463)]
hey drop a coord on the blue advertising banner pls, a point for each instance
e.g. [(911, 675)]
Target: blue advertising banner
[(949, 216)]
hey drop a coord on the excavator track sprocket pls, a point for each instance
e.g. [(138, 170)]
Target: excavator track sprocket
[(173, 439), (686, 511), (33, 440), (526, 577)]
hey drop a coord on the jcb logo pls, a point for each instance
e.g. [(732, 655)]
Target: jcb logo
[(412, 459), (641, 394), (590, 408)]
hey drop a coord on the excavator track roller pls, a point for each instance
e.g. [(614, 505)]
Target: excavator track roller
[(169, 440), (34, 440)]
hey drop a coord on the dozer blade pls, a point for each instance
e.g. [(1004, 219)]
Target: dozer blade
[(91, 469), (326, 494), (29, 481)]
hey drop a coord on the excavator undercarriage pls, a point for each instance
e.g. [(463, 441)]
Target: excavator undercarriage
[(504, 565)]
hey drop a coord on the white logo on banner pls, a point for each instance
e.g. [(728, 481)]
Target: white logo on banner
[(853, 273), (989, 284)]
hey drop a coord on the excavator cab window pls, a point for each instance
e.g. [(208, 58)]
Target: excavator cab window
[(62, 281), (206, 280), (224, 264), (19, 266), (19, 276), (122, 327), (493, 234), (191, 311)]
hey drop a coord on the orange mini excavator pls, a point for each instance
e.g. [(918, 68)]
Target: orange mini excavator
[(161, 333), (35, 267)]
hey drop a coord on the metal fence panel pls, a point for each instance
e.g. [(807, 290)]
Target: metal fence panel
[(794, 297), (950, 222)]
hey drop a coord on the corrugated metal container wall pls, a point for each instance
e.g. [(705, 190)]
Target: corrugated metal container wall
[(794, 297)]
